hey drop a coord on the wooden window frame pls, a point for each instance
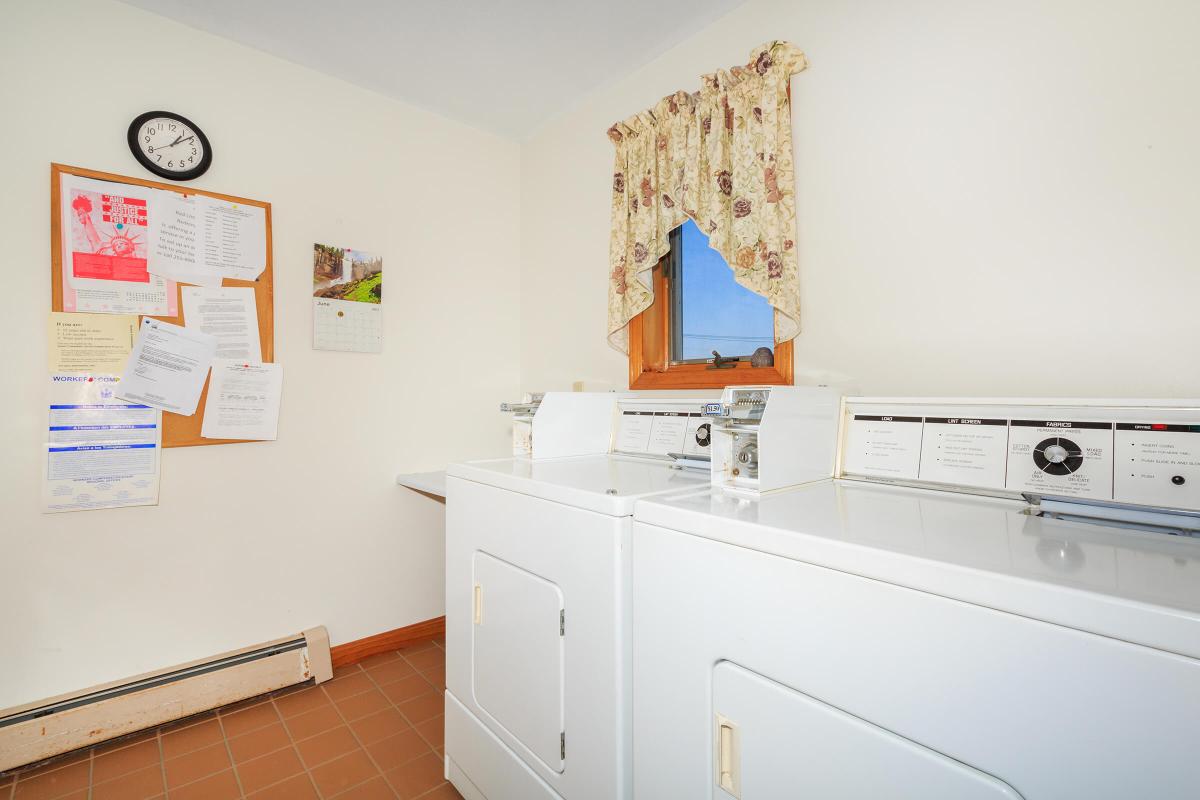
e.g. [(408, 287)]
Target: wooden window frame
[(650, 364)]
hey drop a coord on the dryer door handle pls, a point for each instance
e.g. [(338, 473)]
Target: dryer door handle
[(729, 776)]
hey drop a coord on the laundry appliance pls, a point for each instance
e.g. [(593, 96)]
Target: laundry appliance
[(994, 599), (538, 693)]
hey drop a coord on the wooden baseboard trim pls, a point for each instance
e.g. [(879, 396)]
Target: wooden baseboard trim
[(353, 652)]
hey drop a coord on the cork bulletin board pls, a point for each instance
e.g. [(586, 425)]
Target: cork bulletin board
[(178, 431)]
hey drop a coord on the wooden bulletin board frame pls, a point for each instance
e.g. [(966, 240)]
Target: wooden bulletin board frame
[(178, 431)]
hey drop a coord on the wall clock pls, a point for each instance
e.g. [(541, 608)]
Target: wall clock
[(169, 145)]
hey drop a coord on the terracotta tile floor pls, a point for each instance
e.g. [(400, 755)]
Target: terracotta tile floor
[(374, 731)]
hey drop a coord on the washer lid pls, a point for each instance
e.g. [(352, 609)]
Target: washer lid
[(605, 484), (1137, 586)]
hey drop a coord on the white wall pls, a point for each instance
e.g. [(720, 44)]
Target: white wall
[(252, 541), (994, 197)]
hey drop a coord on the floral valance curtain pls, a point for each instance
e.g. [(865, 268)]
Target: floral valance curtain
[(721, 156)]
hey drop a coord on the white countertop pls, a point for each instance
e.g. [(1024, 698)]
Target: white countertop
[(433, 483)]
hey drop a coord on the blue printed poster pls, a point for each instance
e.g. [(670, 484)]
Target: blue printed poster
[(101, 452)]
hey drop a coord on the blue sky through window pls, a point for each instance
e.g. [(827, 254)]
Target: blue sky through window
[(718, 312)]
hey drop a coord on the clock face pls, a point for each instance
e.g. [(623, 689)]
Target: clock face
[(169, 145)]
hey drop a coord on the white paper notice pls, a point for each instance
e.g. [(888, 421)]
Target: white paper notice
[(175, 241), (168, 367), (235, 238), (228, 313), (201, 240), (243, 401), (100, 452)]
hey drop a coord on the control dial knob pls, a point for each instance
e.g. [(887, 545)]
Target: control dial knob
[(1057, 456), (702, 435)]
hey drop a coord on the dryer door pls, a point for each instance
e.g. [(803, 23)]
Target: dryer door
[(773, 743), (517, 655)]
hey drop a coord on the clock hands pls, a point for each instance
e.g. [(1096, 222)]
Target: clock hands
[(177, 141)]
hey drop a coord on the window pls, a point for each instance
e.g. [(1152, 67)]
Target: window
[(699, 307), (711, 310)]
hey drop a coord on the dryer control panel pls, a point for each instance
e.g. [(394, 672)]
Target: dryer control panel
[(564, 424), (662, 427), (1144, 453)]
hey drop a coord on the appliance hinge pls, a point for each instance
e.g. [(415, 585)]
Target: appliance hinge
[(562, 746), (562, 622)]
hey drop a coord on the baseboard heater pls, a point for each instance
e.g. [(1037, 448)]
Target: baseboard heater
[(46, 728)]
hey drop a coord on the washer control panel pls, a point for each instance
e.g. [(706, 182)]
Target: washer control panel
[(1156, 462), (1060, 457), (1137, 452)]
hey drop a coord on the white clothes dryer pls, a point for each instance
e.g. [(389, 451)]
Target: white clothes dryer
[(995, 600), (538, 696)]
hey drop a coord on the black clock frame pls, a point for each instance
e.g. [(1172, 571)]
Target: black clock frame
[(135, 148)]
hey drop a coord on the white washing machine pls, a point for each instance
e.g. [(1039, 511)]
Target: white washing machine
[(538, 693), (995, 600)]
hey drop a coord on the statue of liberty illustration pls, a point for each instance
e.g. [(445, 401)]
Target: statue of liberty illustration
[(121, 242)]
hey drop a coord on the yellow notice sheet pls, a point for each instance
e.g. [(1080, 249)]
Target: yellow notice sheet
[(91, 342)]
